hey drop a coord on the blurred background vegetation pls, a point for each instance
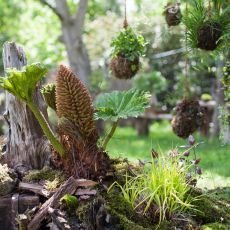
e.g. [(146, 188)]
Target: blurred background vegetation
[(42, 31)]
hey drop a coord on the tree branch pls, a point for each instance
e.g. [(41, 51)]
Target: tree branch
[(53, 8), (80, 15)]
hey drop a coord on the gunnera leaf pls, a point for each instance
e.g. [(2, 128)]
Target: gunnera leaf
[(74, 102), (115, 105)]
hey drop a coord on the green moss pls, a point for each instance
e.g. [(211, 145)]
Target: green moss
[(211, 210), (215, 226), (120, 207), (44, 174)]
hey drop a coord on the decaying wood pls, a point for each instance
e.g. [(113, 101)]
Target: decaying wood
[(5, 213), (36, 188), (25, 143), (27, 201), (68, 187), (58, 219), (14, 209)]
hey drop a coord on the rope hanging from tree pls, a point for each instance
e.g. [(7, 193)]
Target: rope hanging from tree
[(125, 23)]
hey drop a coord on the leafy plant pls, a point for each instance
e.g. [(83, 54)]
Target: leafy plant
[(207, 28), (160, 190), (70, 201), (128, 44), (22, 84), (116, 105)]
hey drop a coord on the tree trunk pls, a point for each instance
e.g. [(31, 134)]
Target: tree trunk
[(72, 26), (76, 51), (26, 144)]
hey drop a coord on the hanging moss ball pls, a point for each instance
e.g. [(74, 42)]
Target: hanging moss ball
[(173, 14), (188, 118), (123, 68), (208, 35)]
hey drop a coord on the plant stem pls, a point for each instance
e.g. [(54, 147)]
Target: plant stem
[(46, 129), (110, 134)]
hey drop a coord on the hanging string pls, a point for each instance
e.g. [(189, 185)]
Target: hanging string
[(186, 82), (125, 23), (209, 9)]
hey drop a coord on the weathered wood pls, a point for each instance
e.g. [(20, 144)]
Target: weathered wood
[(58, 219), (26, 143), (5, 213), (36, 188), (27, 201), (14, 210), (68, 187)]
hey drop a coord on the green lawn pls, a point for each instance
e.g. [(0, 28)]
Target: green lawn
[(214, 156)]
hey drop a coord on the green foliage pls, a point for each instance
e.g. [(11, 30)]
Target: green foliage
[(22, 83), (152, 82), (128, 44), (206, 97), (162, 184), (197, 15), (70, 201), (115, 105)]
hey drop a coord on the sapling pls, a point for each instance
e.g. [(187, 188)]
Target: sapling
[(22, 84), (117, 105)]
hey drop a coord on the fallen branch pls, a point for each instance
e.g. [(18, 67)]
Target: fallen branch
[(68, 187)]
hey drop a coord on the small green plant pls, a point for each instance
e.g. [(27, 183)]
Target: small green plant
[(127, 48), (206, 97), (116, 105), (70, 201), (22, 84), (128, 44), (160, 191), (208, 28)]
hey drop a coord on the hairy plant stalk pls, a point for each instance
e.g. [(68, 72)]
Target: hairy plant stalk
[(46, 129), (110, 134)]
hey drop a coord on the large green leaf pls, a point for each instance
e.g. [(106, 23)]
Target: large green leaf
[(22, 83), (115, 105)]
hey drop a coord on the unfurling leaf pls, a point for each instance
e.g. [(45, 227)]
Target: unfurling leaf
[(22, 83)]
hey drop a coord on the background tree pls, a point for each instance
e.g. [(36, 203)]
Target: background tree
[(72, 27)]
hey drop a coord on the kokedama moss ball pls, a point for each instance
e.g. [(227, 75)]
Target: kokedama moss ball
[(123, 68), (208, 35), (188, 118), (172, 14)]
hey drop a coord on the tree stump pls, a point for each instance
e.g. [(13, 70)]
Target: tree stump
[(26, 144)]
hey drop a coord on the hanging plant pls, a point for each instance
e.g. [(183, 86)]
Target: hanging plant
[(127, 48), (188, 118), (172, 14), (207, 28)]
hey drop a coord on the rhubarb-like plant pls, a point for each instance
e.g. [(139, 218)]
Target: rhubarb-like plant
[(117, 105), (22, 84)]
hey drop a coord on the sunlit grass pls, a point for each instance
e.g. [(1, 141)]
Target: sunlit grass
[(214, 156)]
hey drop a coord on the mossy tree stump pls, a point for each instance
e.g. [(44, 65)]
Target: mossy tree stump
[(26, 144)]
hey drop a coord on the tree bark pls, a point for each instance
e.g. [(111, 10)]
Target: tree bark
[(26, 144)]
